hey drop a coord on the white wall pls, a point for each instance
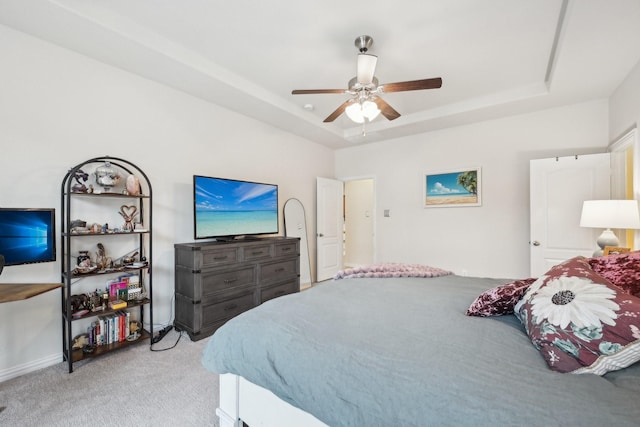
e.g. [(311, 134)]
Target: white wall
[(58, 108), (491, 240), (624, 105)]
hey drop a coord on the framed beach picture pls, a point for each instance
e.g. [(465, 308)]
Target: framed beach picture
[(453, 188)]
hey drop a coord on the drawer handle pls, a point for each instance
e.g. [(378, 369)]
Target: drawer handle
[(286, 249), (230, 307), (220, 258), (257, 252), (230, 280), (280, 270)]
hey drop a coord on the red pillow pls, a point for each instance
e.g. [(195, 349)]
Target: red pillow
[(579, 321), (622, 270), (499, 300)]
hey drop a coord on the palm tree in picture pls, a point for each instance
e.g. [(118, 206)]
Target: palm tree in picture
[(469, 181)]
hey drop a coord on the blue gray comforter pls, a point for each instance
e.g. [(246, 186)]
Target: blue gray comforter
[(401, 352)]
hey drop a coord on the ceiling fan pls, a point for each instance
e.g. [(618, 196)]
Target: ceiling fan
[(365, 103)]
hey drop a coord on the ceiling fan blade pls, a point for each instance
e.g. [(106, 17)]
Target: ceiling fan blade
[(314, 91), (386, 109), (338, 111), (434, 83), (366, 68)]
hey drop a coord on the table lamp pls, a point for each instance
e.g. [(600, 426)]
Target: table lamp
[(608, 214)]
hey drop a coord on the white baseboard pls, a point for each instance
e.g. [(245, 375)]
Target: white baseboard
[(34, 365)]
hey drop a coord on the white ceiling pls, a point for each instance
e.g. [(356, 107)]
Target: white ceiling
[(496, 57)]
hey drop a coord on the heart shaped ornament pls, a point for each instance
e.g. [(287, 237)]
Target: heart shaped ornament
[(128, 212)]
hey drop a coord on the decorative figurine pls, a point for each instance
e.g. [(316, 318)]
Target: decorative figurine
[(79, 187), (133, 185), (102, 260), (80, 341), (83, 256), (129, 214), (107, 177)]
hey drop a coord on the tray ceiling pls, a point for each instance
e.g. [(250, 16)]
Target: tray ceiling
[(496, 57)]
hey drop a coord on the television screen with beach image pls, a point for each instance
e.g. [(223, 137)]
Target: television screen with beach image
[(228, 208), (452, 188)]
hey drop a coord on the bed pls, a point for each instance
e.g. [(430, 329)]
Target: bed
[(404, 352)]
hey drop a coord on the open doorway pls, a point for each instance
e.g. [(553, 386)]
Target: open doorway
[(359, 222)]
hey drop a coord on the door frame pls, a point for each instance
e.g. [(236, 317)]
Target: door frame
[(625, 174)]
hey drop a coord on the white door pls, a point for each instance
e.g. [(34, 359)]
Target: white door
[(330, 220), (558, 186)]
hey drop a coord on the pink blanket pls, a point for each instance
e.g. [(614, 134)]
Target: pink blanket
[(391, 269)]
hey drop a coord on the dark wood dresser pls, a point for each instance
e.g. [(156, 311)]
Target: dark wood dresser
[(215, 281)]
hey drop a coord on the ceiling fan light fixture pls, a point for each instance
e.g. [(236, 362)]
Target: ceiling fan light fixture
[(365, 103), (370, 110), (366, 68), (354, 112), (358, 112)]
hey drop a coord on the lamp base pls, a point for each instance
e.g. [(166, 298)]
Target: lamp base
[(607, 238)]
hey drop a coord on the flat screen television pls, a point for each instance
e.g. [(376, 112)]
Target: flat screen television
[(227, 208), (27, 235)]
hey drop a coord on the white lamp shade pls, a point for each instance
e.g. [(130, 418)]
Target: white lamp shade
[(622, 214)]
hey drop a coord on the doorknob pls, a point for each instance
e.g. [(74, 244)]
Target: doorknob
[(535, 243), (320, 235)]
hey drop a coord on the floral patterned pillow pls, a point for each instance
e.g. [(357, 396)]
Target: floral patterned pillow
[(579, 321), (499, 300), (622, 270)]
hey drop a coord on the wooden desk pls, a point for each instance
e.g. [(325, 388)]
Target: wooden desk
[(19, 291)]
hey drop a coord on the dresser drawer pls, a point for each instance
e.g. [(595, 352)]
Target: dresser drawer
[(289, 248), (217, 257), (279, 290), (216, 310), (278, 271), (255, 252), (207, 256), (220, 280), (196, 316), (197, 284)]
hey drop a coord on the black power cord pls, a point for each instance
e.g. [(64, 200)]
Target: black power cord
[(161, 334)]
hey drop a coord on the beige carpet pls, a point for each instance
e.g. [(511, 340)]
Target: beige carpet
[(130, 387)]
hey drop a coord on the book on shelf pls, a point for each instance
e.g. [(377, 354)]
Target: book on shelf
[(117, 289), (111, 328), (133, 286)]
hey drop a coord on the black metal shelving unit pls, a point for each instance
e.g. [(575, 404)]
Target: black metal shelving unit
[(71, 240)]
